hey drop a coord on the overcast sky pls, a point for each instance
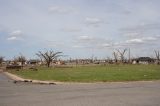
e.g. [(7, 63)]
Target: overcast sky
[(79, 28)]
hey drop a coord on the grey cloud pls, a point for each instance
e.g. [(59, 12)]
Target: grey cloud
[(85, 38), (142, 27), (91, 21), (51, 43), (136, 42), (144, 33), (131, 34), (92, 42), (71, 29), (143, 40), (60, 9)]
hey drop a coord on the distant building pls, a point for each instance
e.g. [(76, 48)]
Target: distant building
[(34, 62), (143, 60)]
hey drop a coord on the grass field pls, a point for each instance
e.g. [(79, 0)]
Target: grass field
[(94, 73)]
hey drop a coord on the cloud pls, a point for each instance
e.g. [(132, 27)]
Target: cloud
[(143, 40), (149, 11), (146, 32), (85, 38), (90, 40), (157, 36), (51, 43), (149, 38), (71, 29), (86, 41), (142, 27), (15, 35), (106, 45), (133, 41), (12, 38), (93, 21), (59, 9), (132, 34), (78, 46)]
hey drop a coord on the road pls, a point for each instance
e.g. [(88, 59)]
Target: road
[(102, 94)]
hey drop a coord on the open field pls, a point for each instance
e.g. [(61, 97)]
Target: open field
[(94, 73)]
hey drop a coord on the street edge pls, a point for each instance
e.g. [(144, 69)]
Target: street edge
[(17, 79)]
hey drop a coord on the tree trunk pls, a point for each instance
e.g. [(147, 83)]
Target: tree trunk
[(48, 64)]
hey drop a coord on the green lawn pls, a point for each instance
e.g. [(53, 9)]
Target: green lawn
[(94, 73)]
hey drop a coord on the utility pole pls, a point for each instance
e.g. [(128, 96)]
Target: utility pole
[(129, 56)]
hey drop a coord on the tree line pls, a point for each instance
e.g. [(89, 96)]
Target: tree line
[(49, 56)]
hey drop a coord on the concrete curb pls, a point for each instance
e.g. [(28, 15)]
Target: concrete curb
[(17, 79)]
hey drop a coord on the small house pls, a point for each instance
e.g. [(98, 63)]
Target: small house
[(143, 60)]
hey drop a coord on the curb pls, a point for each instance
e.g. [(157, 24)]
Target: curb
[(17, 79)]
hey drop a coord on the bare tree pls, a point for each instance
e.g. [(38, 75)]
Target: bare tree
[(122, 55), (115, 57), (1, 60), (21, 59), (157, 56), (48, 56)]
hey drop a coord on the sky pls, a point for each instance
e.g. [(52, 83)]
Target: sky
[(79, 28)]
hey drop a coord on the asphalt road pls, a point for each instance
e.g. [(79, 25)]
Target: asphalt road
[(102, 94)]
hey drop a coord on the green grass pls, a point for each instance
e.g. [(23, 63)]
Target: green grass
[(94, 73)]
